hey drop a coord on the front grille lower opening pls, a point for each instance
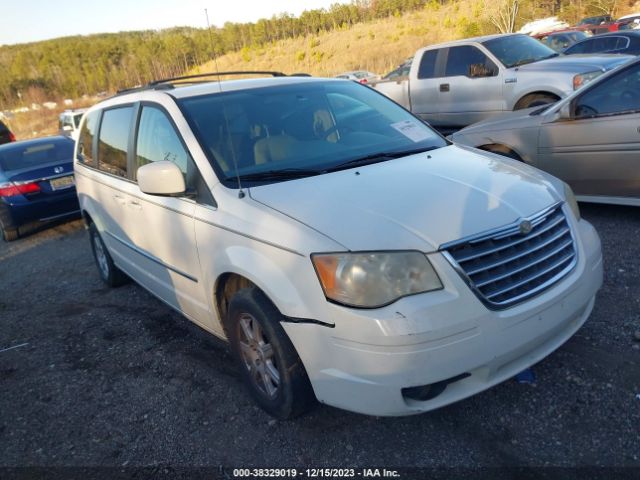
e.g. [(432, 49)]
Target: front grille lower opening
[(423, 393)]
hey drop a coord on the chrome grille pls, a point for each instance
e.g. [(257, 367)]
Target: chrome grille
[(505, 266)]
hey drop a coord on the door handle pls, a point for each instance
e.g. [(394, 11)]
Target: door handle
[(134, 204), (444, 87), (119, 199)]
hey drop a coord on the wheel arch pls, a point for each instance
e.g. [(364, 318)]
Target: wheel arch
[(290, 287), (88, 220), (487, 147), (551, 92), (227, 284)]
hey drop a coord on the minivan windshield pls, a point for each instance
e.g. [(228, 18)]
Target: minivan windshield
[(516, 50), (293, 130)]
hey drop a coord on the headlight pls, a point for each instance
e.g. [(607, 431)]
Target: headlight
[(374, 279), (570, 198), (584, 78)]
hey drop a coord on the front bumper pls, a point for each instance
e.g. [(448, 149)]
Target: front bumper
[(364, 362)]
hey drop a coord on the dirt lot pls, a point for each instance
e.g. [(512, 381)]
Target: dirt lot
[(115, 378)]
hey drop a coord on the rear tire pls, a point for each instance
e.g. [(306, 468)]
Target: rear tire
[(109, 273), (535, 100), (9, 234), (269, 364)]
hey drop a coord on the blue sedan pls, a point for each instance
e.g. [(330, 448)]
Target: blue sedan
[(36, 183)]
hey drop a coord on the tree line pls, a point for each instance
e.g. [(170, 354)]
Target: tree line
[(70, 67)]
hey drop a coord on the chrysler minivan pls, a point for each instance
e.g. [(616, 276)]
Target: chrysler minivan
[(347, 252)]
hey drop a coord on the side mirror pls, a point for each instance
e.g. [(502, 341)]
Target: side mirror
[(67, 128), (161, 178), (565, 112)]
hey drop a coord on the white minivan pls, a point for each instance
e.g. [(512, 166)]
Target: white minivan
[(347, 252)]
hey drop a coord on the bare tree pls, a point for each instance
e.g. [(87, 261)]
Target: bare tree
[(604, 6), (502, 14)]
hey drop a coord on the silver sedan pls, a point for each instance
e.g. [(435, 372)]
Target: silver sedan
[(590, 139)]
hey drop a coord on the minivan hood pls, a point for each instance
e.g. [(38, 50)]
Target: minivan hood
[(417, 202), (577, 63)]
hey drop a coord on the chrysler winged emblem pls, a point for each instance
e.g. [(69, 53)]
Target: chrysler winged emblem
[(525, 227)]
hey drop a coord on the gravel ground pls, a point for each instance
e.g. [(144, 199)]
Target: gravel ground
[(116, 378)]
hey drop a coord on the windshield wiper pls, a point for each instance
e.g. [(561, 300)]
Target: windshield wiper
[(284, 174), (290, 173), (378, 157), (524, 61)]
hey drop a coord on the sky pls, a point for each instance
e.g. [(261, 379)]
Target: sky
[(33, 20)]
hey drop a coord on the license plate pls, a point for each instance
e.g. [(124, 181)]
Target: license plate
[(62, 182)]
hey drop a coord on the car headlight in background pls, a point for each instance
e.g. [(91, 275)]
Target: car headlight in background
[(570, 198), (584, 78), (374, 279)]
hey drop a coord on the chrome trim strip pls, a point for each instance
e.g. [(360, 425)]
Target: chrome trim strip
[(531, 293), (151, 257), (44, 179), (534, 223), (266, 242), (556, 251), (490, 266), (498, 230), (515, 242), (46, 219), (535, 291), (529, 279)]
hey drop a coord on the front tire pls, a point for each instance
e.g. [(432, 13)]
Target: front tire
[(109, 273), (535, 100), (270, 366)]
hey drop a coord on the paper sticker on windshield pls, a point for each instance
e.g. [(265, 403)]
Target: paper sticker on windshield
[(412, 130)]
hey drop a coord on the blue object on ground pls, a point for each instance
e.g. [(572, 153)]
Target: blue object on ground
[(526, 376)]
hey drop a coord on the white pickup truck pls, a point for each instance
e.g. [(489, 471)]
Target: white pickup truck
[(455, 84)]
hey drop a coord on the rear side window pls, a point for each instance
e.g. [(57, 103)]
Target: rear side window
[(582, 47), (114, 137), (428, 64), (85, 140)]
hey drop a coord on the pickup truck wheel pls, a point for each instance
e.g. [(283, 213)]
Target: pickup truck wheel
[(502, 150), (535, 100), (269, 364), (109, 273)]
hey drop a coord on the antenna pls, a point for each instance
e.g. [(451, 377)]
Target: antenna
[(224, 109)]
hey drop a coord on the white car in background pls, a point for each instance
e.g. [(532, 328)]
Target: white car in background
[(347, 251), (360, 76), (69, 122)]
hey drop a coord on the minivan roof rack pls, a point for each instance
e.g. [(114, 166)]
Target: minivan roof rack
[(168, 83), (217, 74)]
